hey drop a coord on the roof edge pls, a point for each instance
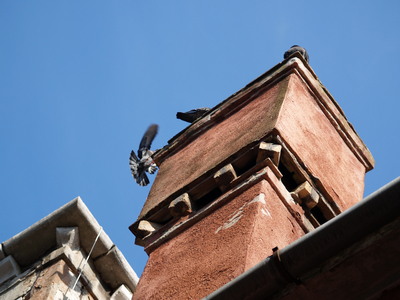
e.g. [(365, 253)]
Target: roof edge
[(74, 213)]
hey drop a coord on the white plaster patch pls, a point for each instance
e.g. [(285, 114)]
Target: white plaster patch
[(232, 221), (259, 198), (237, 215), (265, 212)]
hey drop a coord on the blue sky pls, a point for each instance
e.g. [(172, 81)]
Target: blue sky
[(82, 80)]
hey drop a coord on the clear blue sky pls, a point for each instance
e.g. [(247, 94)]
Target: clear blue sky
[(80, 81)]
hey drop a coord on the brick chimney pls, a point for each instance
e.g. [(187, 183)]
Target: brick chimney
[(266, 166)]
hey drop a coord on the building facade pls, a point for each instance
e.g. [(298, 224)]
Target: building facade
[(66, 255)]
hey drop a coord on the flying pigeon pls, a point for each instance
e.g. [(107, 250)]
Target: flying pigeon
[(192, 115), (143, 162), (296, 48)]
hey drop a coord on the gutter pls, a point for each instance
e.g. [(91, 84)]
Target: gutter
[(289, 265)]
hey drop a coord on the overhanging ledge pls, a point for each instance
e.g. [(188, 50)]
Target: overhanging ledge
[(33, 243)]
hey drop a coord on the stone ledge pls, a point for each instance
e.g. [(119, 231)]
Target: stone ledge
[(122, 293), (244, 160), (8, 269), (153, 241), (33, 243), (269, 173)]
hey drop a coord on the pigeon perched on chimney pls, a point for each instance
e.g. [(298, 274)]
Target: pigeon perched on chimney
[(192, 115), (296, 48), (143, 162)]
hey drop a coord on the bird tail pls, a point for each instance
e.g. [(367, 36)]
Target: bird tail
[(142, 179)]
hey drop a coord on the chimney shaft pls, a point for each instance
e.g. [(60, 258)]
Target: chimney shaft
[(269, 164)]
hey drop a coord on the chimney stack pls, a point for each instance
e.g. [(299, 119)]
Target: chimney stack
[(266, 166)]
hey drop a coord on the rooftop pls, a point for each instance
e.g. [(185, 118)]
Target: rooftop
[(37, 241)]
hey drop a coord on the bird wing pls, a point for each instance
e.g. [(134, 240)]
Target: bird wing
[(147, 139), (137, 170)]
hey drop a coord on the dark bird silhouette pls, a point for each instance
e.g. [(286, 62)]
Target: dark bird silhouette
[(143, 162), (192, 115), (296, 48)]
